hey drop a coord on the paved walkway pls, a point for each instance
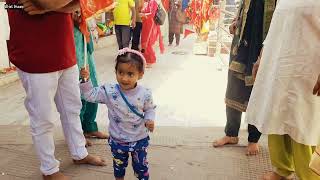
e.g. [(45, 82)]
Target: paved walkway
[(189, 92)]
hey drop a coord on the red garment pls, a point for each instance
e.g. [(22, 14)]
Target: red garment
[(41, 43), (150, 32), (166, 4)]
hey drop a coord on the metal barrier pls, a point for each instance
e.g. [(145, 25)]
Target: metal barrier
[(223, 34)]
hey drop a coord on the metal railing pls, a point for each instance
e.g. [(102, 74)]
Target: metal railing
[(224, 38)]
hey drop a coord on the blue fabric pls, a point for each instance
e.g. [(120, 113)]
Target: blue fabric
[(185, 4), (138, 151)]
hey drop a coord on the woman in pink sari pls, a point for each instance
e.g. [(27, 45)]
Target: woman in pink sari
[(150, 32)]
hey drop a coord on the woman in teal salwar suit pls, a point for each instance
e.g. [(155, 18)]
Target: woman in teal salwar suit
[(89, 110)]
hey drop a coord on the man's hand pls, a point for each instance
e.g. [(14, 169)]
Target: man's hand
[(133, 21), (31, 8), (133, 24), (316, 89), (233, 27), (150, 125), (50, 4), (73, 6)]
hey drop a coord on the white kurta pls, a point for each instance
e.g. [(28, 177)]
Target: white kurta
[(4, 35), (281, 101)]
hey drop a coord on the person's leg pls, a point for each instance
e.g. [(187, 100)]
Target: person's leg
[(253, 138), (68, 103), (171, 38), (233, 122), (136, 36), (90, 127), (150, 56), (281, 155), (118, 31), (140, 160), (231, 129), (40, 90), (89, 124), (82, 112), (301, 157), (125, 33), (153, 57), (177, 38), (120, 161)]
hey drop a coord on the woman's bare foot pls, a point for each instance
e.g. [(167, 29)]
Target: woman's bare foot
[(88, 143), (92, 160), (97, 134), (275, 176), (253, 149), (56, 176), (225, 140)]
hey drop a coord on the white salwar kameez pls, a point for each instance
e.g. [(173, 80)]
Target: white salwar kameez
[(281, 101), (4, 36)]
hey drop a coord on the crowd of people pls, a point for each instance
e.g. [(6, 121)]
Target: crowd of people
[(274, 75)]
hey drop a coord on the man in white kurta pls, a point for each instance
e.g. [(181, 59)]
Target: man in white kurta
[(281, 103), (4, 36)]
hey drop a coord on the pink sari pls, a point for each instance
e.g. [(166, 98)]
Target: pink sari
[(150, 32)]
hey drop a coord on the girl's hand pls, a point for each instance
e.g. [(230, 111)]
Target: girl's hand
[(316, 89), (84, 73), (150, 125)]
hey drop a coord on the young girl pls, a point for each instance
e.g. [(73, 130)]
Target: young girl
[(130, 110)]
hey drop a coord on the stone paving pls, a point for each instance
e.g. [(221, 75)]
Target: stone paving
[(189, 93)]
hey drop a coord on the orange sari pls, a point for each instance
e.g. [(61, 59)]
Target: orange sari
[(88, 9)]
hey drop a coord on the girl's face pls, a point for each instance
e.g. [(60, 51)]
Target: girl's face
[(128, 75)]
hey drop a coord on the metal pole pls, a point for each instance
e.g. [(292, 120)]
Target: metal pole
[(222, 6), (85, 62)]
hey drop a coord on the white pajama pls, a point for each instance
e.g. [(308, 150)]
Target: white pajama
[(4, 36), (43, 90)]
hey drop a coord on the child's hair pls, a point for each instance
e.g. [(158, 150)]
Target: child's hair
[(132, 57)]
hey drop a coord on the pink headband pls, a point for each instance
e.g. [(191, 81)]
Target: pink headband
[(126, 50)]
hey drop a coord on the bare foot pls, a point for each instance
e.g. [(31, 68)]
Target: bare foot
[(97, 134), (253, 149), (56, 176), (92, 160), (225, 140), (275, 176), (88, 143)]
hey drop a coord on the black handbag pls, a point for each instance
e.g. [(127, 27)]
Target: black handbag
[(160, 16)]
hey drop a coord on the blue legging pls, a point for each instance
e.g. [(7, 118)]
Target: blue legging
[(138, 151)]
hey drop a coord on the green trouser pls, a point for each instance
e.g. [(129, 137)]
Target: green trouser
[(288, 156), (88, 116)]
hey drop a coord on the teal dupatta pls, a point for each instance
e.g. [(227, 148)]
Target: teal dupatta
[(79, 42)]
